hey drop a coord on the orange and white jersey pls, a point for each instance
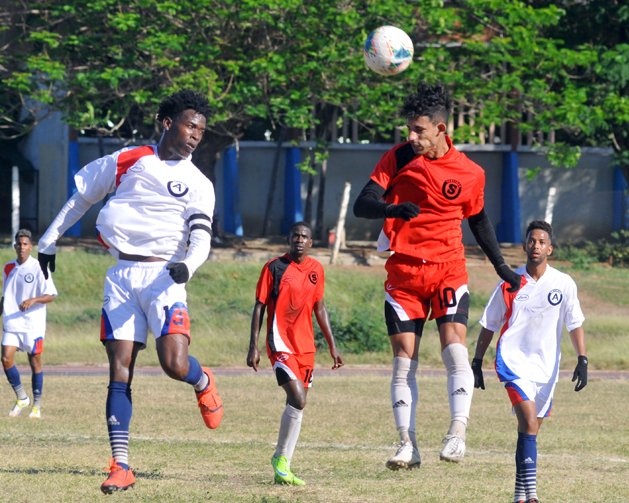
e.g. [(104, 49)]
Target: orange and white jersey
[(155, 203), (447, 190), (530, 322), (21, 282), (289, 291)]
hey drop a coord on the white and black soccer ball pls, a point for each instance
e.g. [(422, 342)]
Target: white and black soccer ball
[(388, 50)]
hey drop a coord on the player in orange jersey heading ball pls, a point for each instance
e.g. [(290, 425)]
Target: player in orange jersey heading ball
[(424, 188), (291, 288)]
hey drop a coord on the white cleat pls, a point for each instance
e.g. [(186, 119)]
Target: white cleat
[(407, 457), (19, 406), (453, 449), (35, 412)]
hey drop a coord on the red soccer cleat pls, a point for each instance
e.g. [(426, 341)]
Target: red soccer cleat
[(119, 479), (210, 403)]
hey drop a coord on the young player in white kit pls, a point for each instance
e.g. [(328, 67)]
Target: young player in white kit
[(528, 351), (157, 223), (25, 293)]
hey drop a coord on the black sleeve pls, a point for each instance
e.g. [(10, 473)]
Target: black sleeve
[(483, 231), (369, 203)]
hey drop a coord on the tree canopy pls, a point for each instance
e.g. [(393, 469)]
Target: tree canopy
[(543, 67)]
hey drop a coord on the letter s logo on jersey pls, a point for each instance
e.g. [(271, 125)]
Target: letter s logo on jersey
[(313, 277), (451, 189), (177, 188)]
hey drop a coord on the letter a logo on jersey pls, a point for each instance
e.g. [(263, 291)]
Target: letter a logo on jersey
[(555, 297), (177, 189)]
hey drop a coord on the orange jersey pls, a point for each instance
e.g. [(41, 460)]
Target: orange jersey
[(447, 190), (290, 290)]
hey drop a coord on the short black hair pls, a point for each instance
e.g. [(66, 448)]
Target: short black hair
[(541, 225), (185, 99), (23, 233), (300, 224), (429, 100)]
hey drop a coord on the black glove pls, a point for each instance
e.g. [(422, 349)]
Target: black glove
[(178, 272), (405, 211), (46, 261), (505, 273), (477, 369), (581, 373)]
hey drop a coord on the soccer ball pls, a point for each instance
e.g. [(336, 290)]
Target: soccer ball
[(388, 50)]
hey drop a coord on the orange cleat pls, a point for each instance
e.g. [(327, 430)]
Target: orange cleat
[(119, 479), (210, 403)]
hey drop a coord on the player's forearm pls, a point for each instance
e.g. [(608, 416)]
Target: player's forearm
[(44, 299), (256, 324), (578, 341), (70, 214), (484, 339), (369, 203), (485, 236)]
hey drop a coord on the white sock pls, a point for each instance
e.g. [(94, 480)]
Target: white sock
[(404, 396), (290, 426), (460, 386)]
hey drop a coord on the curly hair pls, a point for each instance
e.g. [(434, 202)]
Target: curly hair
[(182, 100), (428, 100), (541, 225)]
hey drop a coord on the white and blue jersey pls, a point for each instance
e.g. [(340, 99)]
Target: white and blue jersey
[(530, 322)]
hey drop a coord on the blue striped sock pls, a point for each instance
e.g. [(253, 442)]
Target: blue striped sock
[(13, 375), (118, 411), (38, 387), (195, 372), (527, 463)]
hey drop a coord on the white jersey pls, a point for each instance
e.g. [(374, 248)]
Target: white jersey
[(21, 282), (155, 203), (531, 323)]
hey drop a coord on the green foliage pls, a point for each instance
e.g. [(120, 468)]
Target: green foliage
[(614, 251), (363, 332)]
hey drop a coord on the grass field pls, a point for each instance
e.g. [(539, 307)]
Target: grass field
[(347, 435), (348, 430)]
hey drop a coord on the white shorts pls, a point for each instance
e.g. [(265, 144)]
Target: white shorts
[(33, 344), (520, 390), (141, 296)]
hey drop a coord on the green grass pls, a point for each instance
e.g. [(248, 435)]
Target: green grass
[(348, 430), (347, 435), (221, 297)]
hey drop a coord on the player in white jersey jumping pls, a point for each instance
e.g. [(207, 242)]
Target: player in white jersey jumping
[(528, 351), (157, 223), (25, 293)]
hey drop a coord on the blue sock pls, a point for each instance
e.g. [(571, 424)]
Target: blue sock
[(526, 464), (195, 372), (13, 375), (118, 411), (38, 387)]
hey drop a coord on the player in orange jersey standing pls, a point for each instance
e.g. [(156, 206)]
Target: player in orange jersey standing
[(424, 188), (290, 289)]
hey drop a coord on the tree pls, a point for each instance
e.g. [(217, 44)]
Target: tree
[(297, 65)]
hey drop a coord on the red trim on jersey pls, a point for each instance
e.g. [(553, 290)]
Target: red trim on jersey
[(100, 239), (508, 298), (8, 268), (128, 158)]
